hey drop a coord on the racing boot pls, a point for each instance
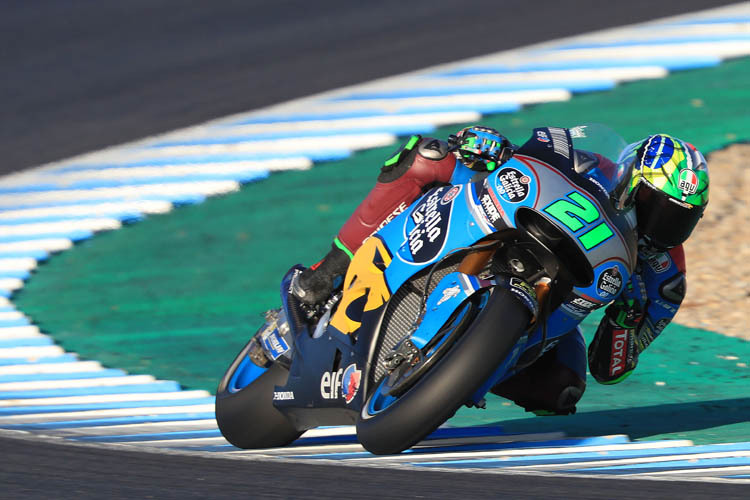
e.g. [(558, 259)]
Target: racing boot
[(547, 387), (316, 283)]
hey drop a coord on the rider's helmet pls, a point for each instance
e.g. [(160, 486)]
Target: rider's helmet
[(481, 148), (666, 179)]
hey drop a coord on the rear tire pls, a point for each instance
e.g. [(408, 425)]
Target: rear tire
[(246, 416), (448, 384)]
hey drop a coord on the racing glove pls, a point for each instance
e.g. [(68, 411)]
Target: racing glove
[(613, 354)]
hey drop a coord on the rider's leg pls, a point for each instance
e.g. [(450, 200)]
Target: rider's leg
[(420, 164), (554, 383)]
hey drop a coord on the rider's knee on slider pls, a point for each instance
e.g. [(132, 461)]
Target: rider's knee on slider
[(547, 387)]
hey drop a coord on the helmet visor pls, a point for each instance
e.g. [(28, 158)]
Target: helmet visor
[(665, 222)]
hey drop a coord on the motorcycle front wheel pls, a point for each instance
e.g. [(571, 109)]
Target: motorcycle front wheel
[(392, 421), (245, 412)]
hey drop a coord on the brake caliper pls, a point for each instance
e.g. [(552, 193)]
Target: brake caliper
[(407, 352)]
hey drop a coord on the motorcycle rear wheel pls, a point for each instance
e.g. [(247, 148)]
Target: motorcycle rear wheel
[(391, 425), (244, 407)]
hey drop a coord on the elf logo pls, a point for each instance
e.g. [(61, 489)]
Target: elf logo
[(342, 383)]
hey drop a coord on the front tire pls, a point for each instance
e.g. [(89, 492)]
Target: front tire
[(245, 412), (392, 425)]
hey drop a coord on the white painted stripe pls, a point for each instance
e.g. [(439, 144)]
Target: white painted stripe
[(222, 168), (73, 383), (468, 100), (206, 188), (18, 332), (332, 125), (175, 443), (18, 264), (723, 49), (686, 30), (104, 398), (47, 245), (92, 210), (303, 450), (640, 460), (31, 352), (522, 452), (623, 74), (519, 78), (147, 428), (709, 471), (285, 145), (10, 315), (39, 368), (10, 283), (5, 302), (93, 224), (113, 413)]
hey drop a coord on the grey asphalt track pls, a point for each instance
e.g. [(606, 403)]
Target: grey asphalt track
[(34, 469), (81, 75)]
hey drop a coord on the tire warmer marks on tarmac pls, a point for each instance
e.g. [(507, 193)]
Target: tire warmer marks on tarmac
[(48, 391)]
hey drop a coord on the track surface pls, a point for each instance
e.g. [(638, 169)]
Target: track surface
[(99, 76), (84, 75), (58, 471)]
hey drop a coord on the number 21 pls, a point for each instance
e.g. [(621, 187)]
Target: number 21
[(578, 213)]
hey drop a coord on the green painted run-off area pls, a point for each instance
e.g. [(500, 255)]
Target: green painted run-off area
[(178, 295)]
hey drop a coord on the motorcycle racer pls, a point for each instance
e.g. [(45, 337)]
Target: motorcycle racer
[(665, 182)]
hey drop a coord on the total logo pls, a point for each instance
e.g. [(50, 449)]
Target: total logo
[(341, 383)]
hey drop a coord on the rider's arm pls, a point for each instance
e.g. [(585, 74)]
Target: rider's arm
[(417, 165), (644, 308)]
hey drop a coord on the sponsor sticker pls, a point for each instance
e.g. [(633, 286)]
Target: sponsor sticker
[(525, 293), (687, 182), (660, 325), (430, 218), (609, 283), (659, 262), (449, 293), (574, 311), (275, 344), (450, 195), (512, 185), (560, 141), (330, 384), (490, 209), (396, 211), (283, 395), (350, 382), (541, 136), (620, 349), (342, 383)]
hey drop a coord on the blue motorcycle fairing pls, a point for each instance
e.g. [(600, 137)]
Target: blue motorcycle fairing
[(248, 371), (449, 293)]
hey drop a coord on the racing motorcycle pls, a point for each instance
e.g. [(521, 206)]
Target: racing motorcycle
[(469, 285)]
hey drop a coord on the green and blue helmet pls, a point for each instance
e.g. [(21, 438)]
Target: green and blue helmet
[(667, 181)]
